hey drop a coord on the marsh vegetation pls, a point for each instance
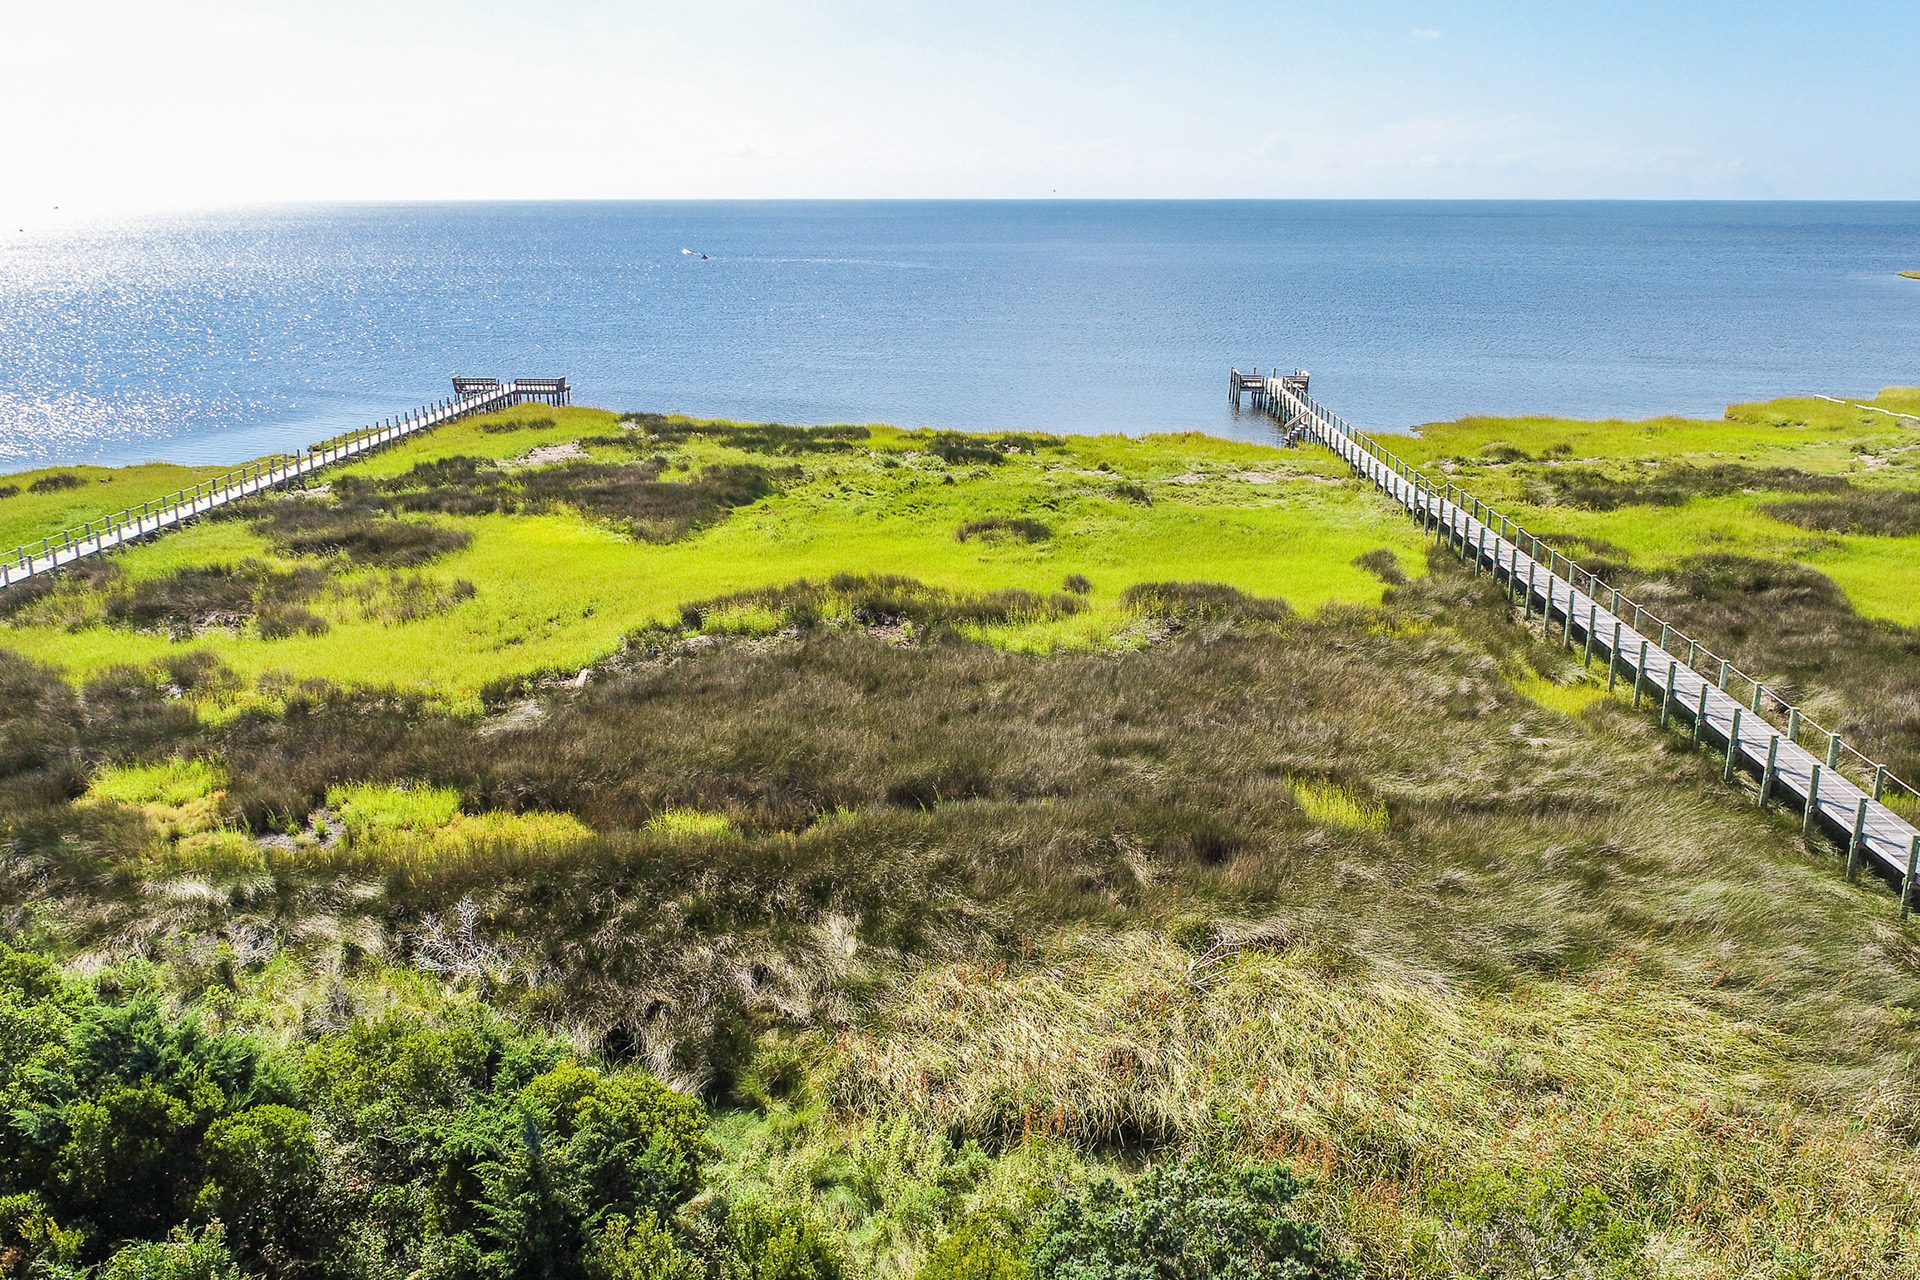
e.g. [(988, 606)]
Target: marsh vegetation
[(829, 924)]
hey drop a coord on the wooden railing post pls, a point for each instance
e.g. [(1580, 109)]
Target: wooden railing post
[(1906, 883), (1859, 835), (1733, 744), (1813, 804)]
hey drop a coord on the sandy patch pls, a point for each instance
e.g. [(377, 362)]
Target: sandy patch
[(547, 454)]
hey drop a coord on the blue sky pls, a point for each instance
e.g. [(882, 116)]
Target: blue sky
[(112, 104)]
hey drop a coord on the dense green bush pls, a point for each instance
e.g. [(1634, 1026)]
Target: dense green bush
[(640, 1249), (456, 1146), (1518, 1224), (183, 1255), (769, 1241), (1186, 1221), (978, 1250)]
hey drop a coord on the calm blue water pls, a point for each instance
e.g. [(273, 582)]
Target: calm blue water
[(217, 337)]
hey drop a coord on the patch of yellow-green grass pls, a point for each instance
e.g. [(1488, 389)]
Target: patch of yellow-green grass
[(369, 811), (398, 822), (172, 782), (689, 822), (1339, 806), (1569, 699), (559, 591), (26, 516), (180, 799)]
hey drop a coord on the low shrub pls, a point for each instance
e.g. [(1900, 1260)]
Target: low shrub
[(771, 1241), (183, 1255), (55, 483), (640, 1249), (1202, 601), (1077, 584), (1521, 1224), (1186, 1221), (979, 1250)]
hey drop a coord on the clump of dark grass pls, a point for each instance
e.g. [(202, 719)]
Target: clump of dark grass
[(1893, 513), (8, 490), (92, 574), (1021, 527), (883, 600), (633, 495), (515, 424), (399, 598), (1077, 583), (1128, 491), (775, 438), (303, 527), (1671, 484), (1203, 602), (652, 510), (190, 599), (1383, 564), (959, 448), (277, 622), (56, 482)]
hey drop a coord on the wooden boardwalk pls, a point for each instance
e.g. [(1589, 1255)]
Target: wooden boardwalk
[(1721, 707), (472, 395)]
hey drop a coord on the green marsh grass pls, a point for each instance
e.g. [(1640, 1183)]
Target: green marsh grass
[(554, 591)]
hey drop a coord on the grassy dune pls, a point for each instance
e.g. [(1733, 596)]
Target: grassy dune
[(954, 873)]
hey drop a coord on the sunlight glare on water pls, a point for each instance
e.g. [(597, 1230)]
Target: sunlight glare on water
[(217, 337)]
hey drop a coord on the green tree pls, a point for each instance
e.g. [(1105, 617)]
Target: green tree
[(1187, 1221)]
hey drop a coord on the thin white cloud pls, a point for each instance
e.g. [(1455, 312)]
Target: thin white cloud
[(1426, 33)]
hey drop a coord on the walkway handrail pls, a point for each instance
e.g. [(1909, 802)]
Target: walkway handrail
[(1700, 686), (100, 534)]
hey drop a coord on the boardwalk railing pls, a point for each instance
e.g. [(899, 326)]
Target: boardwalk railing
[(473, 395), (1839, 791)]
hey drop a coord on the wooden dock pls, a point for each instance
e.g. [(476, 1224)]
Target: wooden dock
[(1793, 759), (471, 395)]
